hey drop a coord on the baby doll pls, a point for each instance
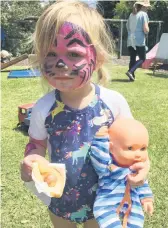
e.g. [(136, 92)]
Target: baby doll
[(127, 140)]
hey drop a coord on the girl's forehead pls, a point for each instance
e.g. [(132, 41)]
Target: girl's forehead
[(70, 30)]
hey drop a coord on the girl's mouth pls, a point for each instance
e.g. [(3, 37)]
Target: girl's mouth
[(63, 78)]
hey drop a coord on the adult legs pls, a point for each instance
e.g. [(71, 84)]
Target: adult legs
[(141, 52), (132, 54), (59, 222)]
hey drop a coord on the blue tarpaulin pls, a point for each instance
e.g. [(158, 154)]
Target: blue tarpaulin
[(24, 73)]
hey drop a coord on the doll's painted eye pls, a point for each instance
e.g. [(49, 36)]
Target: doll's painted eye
[(130, 148), (143, 148)]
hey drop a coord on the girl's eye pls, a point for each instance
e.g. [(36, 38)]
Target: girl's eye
[(73, 54), (51, 54), (130, 148), (143, 148)]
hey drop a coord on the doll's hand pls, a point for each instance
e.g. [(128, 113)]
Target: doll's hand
[(148, 206), (27, 163), (142, 169)]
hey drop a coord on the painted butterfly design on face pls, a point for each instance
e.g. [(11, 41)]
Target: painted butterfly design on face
[(72, 58)]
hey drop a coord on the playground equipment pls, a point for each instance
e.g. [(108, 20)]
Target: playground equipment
[(13, 61), (5, 56), (24, 114), (161, 58), (150, 57), (22, 73), (157, 57), (29, 73)]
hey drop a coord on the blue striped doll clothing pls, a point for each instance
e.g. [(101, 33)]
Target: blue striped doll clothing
[(111, 189)]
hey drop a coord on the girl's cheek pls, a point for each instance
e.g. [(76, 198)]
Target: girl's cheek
[(51, 81)]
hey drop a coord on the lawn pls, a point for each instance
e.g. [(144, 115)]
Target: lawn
[(148, 99)]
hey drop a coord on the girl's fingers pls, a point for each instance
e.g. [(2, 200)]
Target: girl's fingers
[(136, 180), (137, 166), (141, 166), (26, 166), (26, 176)]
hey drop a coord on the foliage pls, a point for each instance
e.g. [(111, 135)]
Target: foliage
[(18, 31), (107, 8), (159, 12), (123, 9)]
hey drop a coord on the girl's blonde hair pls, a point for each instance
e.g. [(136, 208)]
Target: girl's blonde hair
[(78, 13)]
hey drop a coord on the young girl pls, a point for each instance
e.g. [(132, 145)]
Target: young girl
[(71, 43)]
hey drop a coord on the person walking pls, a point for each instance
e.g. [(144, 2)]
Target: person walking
[(137, 27)]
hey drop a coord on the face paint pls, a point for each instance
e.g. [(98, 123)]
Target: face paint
[(71, 60)]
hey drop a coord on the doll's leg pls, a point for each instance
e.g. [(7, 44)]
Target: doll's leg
[(59, 222), (136, 217), (107, 217)]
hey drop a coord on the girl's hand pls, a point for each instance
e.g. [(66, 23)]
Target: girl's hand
[(142, 169), (26, 166)]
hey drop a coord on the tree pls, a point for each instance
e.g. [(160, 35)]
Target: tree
[(18, 31), (107, 8)]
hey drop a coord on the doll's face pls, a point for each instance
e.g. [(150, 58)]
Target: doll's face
[(71, 60), (128, 141), (129, 151)]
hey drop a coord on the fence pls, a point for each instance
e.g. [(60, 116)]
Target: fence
[(118, 29)]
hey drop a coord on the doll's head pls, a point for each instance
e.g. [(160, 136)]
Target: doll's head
[(71, 41), (128, 142)]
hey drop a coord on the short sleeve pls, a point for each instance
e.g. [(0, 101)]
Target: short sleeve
[(37, 128), (122, 108), (116, 103), (39, 113), (145, 18)]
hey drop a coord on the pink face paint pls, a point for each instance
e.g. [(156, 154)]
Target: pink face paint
[(71, 60)]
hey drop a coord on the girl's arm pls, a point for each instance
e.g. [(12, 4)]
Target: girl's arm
[(36, 147), (35, 151)]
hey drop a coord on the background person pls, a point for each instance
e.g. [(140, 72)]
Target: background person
[(137, 27)]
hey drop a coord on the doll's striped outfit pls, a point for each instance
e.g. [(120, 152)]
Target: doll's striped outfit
[(111, 189)]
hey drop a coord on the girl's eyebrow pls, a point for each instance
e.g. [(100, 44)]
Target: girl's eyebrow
[(75, 40)]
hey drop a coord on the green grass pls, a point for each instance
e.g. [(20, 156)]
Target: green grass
[(148, 99)]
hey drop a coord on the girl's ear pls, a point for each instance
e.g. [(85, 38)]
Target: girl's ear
[(99, 62), (98, 65)]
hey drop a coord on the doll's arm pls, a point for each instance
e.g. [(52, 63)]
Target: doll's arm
[(100, 155), (146, 197)]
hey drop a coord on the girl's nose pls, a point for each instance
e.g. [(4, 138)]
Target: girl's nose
[(60, 64)]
